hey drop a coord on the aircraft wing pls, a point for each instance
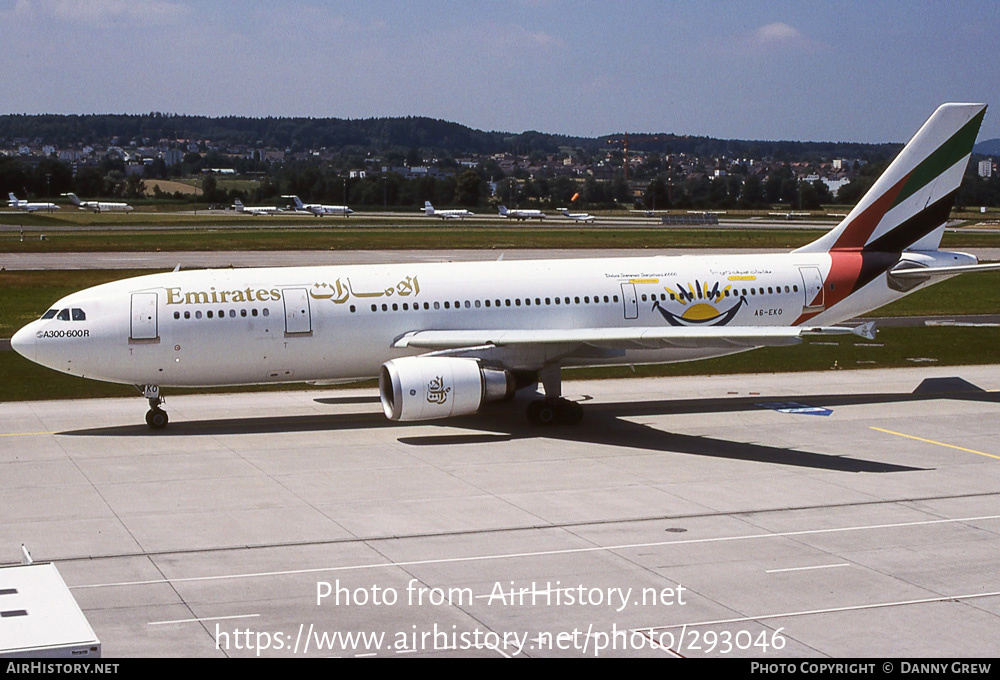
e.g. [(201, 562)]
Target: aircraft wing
[(654, 337)]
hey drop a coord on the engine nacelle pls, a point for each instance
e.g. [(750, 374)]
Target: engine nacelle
[(425, 388)]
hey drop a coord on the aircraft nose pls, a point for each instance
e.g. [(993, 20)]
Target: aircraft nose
[(23, 342)]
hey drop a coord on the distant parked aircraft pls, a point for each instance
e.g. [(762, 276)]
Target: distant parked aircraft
[(255, 210), (521, 214), (445, 214), (577, 217), (317, 209), (14, 202), (789, 215), (98, 206)]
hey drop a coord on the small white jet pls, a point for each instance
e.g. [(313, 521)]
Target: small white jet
[(789, 215), (14, 202), (447, 338), (98, 206), (446, 214), (255, 210), (577, 217), (518, 214), (317, 209)]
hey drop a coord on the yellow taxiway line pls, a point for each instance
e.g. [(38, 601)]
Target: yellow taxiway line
[(931, 441)]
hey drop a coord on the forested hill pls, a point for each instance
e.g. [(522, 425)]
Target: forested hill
[(380, 134), (988, 147)]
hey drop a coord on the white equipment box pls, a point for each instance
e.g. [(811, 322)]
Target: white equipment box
[(40, 618)]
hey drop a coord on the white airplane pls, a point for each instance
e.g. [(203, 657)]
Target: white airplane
[(14, 202), (255, 210), (445, 214), (98, 206), (517, 214), (445, 339), (577, 217), (319, 210)]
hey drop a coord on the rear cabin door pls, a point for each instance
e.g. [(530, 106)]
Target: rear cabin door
[(812, 282)]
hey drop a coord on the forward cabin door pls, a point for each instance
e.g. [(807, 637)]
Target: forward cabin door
[(143, 327), (298, 319)]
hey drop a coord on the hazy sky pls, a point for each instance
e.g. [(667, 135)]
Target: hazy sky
[(839, 70)]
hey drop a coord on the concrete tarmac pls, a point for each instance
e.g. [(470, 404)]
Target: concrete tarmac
[(834, 514)]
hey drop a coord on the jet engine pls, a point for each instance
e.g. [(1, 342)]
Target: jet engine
[(425, 388)]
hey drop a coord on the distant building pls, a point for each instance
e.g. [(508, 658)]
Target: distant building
[(986, 168), (173, 156)]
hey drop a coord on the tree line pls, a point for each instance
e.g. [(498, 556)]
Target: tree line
[(382, 134), (473, 187)]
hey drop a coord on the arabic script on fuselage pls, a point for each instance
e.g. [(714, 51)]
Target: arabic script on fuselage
[(341, 290)]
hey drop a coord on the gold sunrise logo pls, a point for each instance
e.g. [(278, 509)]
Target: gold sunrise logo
[(702, 304)]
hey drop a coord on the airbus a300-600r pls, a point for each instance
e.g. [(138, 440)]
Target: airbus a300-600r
[(445, 339)]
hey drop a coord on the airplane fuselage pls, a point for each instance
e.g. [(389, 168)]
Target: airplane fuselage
[(33, 207), (99, 206), (320, 210), (248, 326)]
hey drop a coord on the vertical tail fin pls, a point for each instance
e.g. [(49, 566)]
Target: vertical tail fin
[(73, 199), (503, 210), (909, 204), (428, 208)]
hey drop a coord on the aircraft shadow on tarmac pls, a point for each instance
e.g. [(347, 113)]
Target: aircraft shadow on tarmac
[(604, 424)]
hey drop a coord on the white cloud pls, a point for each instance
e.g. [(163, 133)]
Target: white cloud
[(779, 36)]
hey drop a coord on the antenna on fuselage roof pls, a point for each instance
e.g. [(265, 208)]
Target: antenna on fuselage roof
[(177, 268)]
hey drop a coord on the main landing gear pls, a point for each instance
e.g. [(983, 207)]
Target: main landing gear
[(156, 417), (553, 409)]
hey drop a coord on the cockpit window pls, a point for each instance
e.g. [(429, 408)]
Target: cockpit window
[(49, 314), (79, 314), (63, 315)]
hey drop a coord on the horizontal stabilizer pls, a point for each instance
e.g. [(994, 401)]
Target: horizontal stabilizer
[(923, 272)]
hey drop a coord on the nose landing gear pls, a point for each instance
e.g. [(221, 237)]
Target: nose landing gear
[(156, 417)]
